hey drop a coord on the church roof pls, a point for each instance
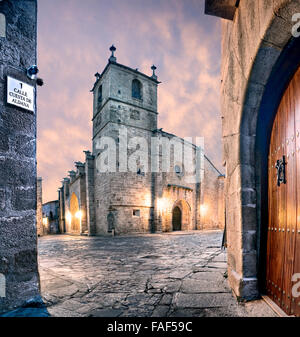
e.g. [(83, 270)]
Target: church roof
[(167, 134)]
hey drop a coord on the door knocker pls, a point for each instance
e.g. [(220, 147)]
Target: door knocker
[(280, 166)]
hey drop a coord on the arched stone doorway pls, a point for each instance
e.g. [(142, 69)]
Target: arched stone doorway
[(181, 216), (75, 214), (176, 219), (275, 61), (110, 222)]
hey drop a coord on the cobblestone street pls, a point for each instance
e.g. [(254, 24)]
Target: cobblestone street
[(175, 274)]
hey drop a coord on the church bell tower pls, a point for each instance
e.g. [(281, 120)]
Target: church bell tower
[(123, 97)]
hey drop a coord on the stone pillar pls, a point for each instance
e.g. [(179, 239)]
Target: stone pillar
[(154, 219), (18, 197), (197, 205), (80, 167), (66, 186), (72, 175), (62, 225), (90, 200), (39, 208), (221, 202), (80, 173)]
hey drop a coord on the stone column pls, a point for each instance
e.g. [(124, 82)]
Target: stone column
[(90, 199), (72, 175), (18, 180), (80, 172), (154, 223), (197, 205), (66, 184), (221, 202), (80, 167), (61, 215)]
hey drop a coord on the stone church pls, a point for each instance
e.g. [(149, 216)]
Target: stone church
[(97, 202)]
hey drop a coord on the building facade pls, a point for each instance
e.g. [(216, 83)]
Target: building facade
[(138, 196), (18, 234), (51, 217), (261, 112)]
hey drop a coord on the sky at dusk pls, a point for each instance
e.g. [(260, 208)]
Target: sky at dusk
[(74, 37)]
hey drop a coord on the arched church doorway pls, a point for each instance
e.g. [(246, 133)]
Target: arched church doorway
[(176, 219), (248, 278), (283, 241), (110, 222), (75, 213), (181, 216)]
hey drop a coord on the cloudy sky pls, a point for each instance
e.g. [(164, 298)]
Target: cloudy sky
[(73, 41)]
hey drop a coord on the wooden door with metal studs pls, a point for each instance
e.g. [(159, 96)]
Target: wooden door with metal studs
[(283, 243)]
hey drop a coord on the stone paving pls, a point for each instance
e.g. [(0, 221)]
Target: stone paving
[(159, 275)]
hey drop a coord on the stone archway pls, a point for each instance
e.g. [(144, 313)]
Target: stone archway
[(275, 59), (110, 222), (177, 219), (75, 214), (181, 215)]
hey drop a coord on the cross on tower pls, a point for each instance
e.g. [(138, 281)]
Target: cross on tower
[(153, 69), (112, 58)]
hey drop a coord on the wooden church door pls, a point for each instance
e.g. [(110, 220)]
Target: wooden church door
[(176, 219), (283, 244)]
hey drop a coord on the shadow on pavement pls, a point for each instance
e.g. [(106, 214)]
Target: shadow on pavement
[(32, 308)]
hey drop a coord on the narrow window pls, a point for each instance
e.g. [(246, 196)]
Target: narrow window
[(136, 212), (100, 95), (136, 89), (177, 169), (140, 172), (2, 25)]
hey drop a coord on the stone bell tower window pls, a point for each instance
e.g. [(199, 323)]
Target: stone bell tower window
[(136, 212), (2, 25), (100, 95), (136, 89)]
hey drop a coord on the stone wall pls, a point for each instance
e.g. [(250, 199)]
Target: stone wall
[(212, 211), (251, 45), (39, 208), (18, 231), (120, 192)]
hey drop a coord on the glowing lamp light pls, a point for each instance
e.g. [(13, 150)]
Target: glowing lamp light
[(78, 215), (45, 221), (162, 204), (203, 209), (148, 200)]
